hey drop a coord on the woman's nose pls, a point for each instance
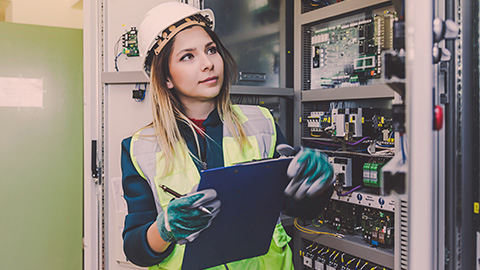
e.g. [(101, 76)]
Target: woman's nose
[(207, 63)]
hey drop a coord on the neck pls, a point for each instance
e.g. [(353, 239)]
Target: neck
[(199, 110)]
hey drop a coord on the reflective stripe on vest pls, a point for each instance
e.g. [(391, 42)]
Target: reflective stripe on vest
[(147, 158), (260, 130), (146, 154)]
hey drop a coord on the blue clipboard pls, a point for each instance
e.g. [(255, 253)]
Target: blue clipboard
[(252, 196)]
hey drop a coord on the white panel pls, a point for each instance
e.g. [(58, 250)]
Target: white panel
[(120, 16), (421, 182), (123, 117)]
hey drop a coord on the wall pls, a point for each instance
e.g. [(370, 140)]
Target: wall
[(61, 13), (41, 167)]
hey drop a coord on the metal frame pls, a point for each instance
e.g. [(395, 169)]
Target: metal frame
[(92, 243), (440, 82), (349, 93), (421, 182), (350, 245), (462, 142), (469, 128)]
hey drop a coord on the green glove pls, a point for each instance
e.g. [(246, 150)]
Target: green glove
[(182, 221), (311, 173)]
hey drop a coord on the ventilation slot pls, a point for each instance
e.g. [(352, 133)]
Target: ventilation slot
[(403, 234), (306, 56)]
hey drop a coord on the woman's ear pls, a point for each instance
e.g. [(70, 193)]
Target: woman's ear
[(169, 84)]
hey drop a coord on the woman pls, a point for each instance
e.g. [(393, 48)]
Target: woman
[(195, 127)]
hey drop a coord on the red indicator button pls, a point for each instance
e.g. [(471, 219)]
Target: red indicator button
[(438, 121)]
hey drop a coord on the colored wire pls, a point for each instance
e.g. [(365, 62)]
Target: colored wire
[(328, 250), (358, 154), (329, 144), (384, 146), (318, 226), (330, 257), (334, 258), (116, 58), (350, 191), (357, 142), (336, 144), (364, 265), (403, 148), (386, 151), (350, 261), (115, 50), (358, 263), (305, 230)]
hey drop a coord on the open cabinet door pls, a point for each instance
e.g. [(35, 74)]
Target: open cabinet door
[(41, 147), (111, 114)]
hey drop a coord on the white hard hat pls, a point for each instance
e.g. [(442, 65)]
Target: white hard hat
[(163, 22)]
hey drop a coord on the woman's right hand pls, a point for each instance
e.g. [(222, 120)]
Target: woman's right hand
[(182, 221)]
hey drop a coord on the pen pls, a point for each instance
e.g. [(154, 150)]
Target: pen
[(178, 195)]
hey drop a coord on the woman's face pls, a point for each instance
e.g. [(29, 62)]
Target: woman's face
[(196, 67)]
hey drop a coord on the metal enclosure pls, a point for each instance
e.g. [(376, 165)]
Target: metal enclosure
[(111, 113), (436, 213)]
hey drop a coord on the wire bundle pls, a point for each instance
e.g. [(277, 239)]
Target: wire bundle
[(305, 230)]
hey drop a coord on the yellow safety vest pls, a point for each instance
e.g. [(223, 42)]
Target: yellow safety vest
[(260, 129)]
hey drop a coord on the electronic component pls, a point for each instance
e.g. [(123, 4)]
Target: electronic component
[(365, 62), (317, 121), (349, 53), (351, 123), (309, 256), (377, 227), (394, 64), (322, 258), (138, 94), (394, 176), (130, 43), (372, 175), (338, 122), (341, 216), (252, 76), (355, 117), (333, 261), (342, 169)]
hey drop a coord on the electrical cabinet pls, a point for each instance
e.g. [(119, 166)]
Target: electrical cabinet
[(117, 100), (364, 77), (345, 111), (357, 80)]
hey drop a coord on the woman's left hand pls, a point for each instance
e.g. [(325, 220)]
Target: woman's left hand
[(311, 173)]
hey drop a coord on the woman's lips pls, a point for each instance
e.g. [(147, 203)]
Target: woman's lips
[(212, 79)]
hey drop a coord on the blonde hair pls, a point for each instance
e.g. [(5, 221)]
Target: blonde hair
[(167, 108)]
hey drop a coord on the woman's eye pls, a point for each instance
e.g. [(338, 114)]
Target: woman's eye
[(186, 57), (212, 50)]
